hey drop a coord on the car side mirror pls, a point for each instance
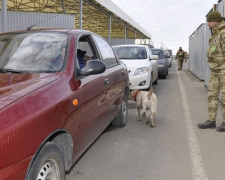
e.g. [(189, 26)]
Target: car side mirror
[(154, 57), (93, 67), (167, 56)]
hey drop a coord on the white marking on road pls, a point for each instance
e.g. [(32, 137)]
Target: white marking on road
[(198, 170)]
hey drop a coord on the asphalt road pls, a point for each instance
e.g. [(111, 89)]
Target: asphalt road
[(174, 150)]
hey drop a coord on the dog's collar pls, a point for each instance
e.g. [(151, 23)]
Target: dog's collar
[(135, 96)]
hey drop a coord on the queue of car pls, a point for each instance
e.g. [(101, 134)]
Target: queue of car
[(54, 103), (163, 62), (59, 90), (145, 64)]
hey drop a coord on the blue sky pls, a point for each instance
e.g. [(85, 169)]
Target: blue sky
[(170, 22)]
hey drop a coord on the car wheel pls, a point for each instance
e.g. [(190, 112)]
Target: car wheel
[(121, 120), (151, 79), (156, 80), (48, 164)]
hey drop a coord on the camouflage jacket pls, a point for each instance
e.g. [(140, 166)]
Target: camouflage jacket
[(216, 49), (180, 55)]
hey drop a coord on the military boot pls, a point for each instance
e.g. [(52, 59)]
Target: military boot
[(221, 128), (207, 124)]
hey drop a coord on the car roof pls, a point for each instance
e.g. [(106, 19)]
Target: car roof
[(129, 45), (157, 49), (48, 30)]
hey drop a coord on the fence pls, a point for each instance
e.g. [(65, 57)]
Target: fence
[(23, 20), (198, 44)]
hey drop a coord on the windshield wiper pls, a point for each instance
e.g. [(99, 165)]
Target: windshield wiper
[(5, 70)]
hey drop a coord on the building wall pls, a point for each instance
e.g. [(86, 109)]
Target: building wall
[(220, 7), (197, 51), (207, 70), (23, 20)]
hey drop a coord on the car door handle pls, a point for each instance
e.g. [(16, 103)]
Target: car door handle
[(106, 81)]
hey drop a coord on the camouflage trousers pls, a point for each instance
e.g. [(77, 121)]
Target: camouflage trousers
[(216, 86), (180, 64)]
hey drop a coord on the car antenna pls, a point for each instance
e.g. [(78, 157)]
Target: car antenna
[(29, 28)]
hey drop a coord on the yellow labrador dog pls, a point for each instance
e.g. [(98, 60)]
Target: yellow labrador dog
[(146, 101)]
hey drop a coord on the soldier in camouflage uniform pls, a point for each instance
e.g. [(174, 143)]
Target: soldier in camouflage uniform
[(216, 60), (180, 56)]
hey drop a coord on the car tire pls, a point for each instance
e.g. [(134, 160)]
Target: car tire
[(48, 164), (121, 120), (156, 80), (151, 80)]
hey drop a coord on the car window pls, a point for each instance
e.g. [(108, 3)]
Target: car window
[(85, 46), (33, 52), (130, 52), (159, 53), (85, 51), (108, 55)]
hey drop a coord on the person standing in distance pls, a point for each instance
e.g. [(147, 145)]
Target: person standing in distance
[(216, 60), (180, 56)]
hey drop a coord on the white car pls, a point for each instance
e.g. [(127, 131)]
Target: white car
[(142, 65)]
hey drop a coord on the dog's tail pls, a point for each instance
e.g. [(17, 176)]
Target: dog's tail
[(150, 92)]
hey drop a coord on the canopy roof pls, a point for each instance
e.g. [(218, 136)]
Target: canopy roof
[(95, 15)]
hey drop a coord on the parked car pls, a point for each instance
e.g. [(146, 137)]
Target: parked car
[(170, 53), (168, 57), (51, 108), (163, 64), (141, 64)]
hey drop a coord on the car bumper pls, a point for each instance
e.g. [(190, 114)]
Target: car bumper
[(16, 171), (135, 81), (162, 70)]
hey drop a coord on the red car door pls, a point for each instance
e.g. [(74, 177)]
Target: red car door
[(116, 75), (88, 122)]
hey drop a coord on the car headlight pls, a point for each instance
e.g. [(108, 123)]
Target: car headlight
[(141, 71)]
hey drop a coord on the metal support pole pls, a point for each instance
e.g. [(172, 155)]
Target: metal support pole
[(135, 36), (63, 6), (125, 33), (110, 20), (215, 7), (80, 14), (4, 24)]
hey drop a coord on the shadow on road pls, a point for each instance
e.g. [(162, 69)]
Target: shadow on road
[(132, 106)]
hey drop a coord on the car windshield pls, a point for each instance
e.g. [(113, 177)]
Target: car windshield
[(131, 52), (33, 52), (159, 53)]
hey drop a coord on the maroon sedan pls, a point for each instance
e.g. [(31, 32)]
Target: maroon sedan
[(59, 89)]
